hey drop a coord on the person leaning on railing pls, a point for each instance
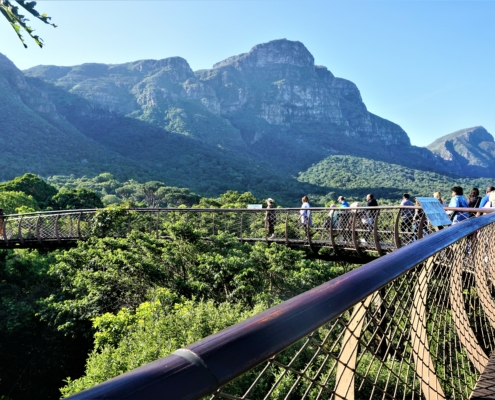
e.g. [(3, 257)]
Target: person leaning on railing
[(458, 201)]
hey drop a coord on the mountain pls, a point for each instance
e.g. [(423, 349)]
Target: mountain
[(270, 104), (468, 152), (254, 121), (35, 137)]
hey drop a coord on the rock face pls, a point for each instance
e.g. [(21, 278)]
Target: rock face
[(270, 106), (468, 151), (271, 101), (279, 83)]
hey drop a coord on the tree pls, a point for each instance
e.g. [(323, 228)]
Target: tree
[(19, 22), (32, 185), (75, 199), (17, 202)]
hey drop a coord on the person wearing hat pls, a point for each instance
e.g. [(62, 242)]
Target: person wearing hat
[(270, 218)]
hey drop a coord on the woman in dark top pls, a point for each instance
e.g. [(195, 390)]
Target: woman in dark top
[(474, 198)]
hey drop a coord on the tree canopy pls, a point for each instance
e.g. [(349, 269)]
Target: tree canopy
[(19, 22)]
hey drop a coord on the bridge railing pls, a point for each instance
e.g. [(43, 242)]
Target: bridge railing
[(375, 229), (417, 323)]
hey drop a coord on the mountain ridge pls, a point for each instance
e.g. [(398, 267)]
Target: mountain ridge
[(255, 119)]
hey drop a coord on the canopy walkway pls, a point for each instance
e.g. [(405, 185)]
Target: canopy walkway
[(362, 231), (418, 323)]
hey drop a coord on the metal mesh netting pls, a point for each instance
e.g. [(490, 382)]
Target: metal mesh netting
[(427, 334), (363, 230)]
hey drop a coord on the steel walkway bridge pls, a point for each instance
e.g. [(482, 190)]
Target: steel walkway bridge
[(417, 323), (361, 231)]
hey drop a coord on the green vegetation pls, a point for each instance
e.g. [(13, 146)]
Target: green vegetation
[(111, 297), (354, 177), (128, 301)]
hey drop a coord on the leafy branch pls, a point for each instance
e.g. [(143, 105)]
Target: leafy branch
[(19, 22)]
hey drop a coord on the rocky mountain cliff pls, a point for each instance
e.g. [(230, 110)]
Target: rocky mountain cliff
[(272, 103), (253, 120)]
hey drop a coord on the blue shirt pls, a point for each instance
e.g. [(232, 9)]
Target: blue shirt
[(344, 204), (484, 200), (458, 202)]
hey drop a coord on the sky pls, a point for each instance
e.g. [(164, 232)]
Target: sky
[(425, 65)]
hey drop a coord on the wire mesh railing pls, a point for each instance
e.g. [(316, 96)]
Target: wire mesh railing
[(418, 323), (374, 229)]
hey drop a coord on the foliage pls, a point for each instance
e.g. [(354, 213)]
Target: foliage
[(32, 185), (99, 276), (355, 177), (230, 199), (74, 199), (35, 357), (154, 330), (19, 22), (17, 202)]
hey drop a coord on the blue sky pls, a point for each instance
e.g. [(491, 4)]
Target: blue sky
[(425, 65)]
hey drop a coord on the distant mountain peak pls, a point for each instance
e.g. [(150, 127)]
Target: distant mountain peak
[(281, 51), (474, 136), (466, 149)]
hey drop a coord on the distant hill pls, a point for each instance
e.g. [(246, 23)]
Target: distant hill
[(254, 122), (469, 152), (354, 177)]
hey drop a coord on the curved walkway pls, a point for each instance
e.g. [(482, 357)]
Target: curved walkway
[(377, 230)]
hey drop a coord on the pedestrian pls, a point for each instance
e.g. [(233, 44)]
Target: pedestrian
[(305, 214), (474, 198), (485, 199), (270, 218), (438, 195), (458, 201), (343, 202)]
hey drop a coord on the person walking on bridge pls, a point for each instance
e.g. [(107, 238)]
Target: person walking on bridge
[(270, 218)]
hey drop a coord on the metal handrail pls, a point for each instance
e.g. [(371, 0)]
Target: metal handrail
[(203, 367)]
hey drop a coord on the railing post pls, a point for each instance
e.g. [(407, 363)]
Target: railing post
[(19, 231), (38, 228), (242, 214), (375, 233), (420, 226), (4, 230), (79, 226), (396, 230), (157, 219), (354, 234), (332, 239), (56, 227), (287, 228)]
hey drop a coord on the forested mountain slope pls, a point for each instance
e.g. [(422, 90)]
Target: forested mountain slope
[(252, 122), (354, 177)]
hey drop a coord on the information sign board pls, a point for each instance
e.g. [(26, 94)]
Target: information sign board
[(434, 211), (255, 205)]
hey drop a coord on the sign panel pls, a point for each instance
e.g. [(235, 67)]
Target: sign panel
[(255, 205), (434, 211)]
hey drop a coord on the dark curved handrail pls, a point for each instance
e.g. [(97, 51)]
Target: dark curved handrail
[(201, 368)]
